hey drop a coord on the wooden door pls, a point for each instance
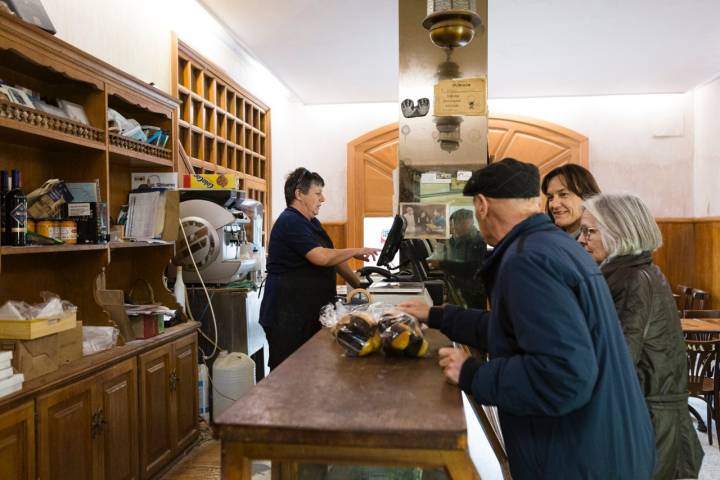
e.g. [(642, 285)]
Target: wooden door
[(118, 388), (17, 443), (184, 392), (66, 436), (373, 156), (156, 444)]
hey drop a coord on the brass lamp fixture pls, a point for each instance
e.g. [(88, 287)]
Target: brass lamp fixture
[(451, 23)]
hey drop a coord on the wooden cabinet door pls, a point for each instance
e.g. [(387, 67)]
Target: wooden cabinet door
[(118, 389), (156, 410), (66, 435), (184, 390), (17, 443)]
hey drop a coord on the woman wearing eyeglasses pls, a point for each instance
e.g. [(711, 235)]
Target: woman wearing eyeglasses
[(301, 267), (620, 234)]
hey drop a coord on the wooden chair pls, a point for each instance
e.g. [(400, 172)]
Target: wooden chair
[(697, 299), (685, 293), (701, 314), (703, 381), (678, 301)]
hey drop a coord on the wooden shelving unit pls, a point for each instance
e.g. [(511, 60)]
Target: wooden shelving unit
[(222, 127), (100, 400), (35, 249), (118, 245)]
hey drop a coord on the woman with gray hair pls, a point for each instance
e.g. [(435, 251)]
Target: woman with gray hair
[(620, 233)]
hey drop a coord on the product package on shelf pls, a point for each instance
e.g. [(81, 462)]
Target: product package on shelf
[(22, 321), (364, 329), (211, 181)]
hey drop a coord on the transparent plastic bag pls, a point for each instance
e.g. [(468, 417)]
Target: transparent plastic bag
[(97, 339), (353, 326), (401, 334), (51, 307), (364, 329)]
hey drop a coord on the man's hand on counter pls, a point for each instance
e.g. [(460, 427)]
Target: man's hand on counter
[(416, 308), (451, 361)]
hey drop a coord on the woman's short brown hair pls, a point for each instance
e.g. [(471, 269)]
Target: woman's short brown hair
[(578, 180)]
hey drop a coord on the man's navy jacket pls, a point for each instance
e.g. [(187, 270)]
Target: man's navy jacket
[(560, 373)]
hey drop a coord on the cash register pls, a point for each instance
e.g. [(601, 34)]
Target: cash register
[(411, 277)]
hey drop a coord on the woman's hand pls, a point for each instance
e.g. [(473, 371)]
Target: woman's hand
[(365, 254), (416, 308), (451, 361)]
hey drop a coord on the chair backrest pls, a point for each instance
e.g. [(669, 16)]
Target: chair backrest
[(702, 363), (678, 301), (701, 314), (685, 293), (697, 301)]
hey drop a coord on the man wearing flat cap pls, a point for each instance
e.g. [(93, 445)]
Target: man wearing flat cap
[(559, 372)]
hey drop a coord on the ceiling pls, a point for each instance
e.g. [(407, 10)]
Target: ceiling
[(344, 51)]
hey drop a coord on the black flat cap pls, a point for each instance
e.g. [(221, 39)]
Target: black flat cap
[(508, 178)]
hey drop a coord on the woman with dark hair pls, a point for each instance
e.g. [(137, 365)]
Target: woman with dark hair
[(620, 233), (565, 188), (301, 268)]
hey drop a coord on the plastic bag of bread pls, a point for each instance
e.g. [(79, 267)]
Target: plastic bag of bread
[(354, 328), (401, 334)]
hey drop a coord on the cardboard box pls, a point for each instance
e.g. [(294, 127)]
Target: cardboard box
[(34, 358), (211, 181), (70, 345), (37, 327)]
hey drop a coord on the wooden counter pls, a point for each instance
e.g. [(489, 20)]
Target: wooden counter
[(320, 406)]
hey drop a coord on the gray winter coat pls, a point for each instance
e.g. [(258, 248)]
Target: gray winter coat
[(649, 320)]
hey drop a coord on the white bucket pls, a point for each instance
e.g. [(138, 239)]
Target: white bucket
[(233, 376)]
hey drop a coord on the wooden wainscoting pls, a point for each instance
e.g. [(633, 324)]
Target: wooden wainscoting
[(690, 254)]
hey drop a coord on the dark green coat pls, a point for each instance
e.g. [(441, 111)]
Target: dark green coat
[(651, 325)]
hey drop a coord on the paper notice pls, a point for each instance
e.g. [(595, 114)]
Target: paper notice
[(464, 96), (464, 175)]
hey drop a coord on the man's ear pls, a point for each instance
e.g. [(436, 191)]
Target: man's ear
[(481, 206)]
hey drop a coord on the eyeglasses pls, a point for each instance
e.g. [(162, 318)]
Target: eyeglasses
[(587, 231)]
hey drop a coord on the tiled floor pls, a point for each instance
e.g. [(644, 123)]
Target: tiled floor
[(203, 462)]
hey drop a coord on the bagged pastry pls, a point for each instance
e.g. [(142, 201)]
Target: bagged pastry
[(354, 328), (401, 335)]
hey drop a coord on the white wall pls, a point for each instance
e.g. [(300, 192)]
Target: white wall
[(707, 150), (638, 143), (323, 134), (135, 36), (641, 144)]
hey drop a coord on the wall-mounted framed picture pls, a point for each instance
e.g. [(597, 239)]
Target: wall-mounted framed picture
[(426, 220), (19, 96), (74, 111), (49, 108), (32, 11), (4, 95)]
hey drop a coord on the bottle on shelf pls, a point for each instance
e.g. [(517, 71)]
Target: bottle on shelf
[(179, 289), (15, 213), (3, 190)]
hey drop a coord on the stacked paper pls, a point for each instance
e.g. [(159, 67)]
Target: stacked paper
[(10, 382)]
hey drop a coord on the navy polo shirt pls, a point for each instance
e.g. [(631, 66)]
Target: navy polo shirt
[(291, 238)]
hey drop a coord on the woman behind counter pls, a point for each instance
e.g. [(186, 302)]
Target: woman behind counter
[(565, 188), (620, 234), (301, 268)]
